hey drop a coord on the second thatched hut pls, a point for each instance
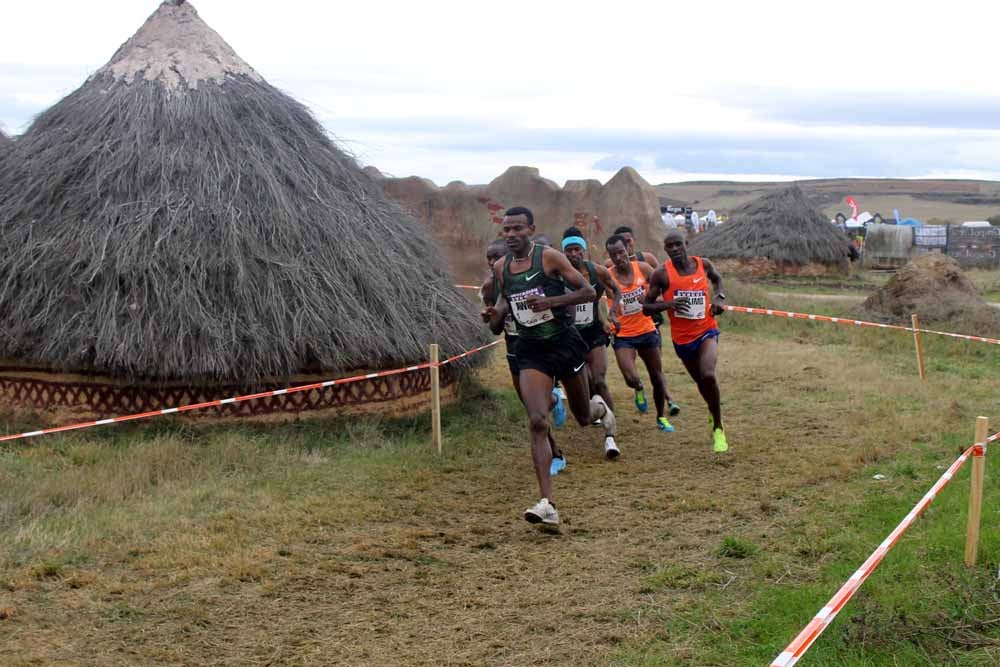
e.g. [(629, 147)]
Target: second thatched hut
[(780, 233)]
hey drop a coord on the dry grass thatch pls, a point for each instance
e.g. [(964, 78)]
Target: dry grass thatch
[(934, 287), (782, 226), (200, 224)]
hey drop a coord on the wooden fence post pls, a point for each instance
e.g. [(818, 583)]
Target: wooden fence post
[(920, 348), (976, 493), (435, 399)]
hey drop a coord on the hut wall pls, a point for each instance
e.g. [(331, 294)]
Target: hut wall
[(888, 245)]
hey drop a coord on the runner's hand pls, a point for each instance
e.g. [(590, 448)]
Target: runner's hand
[(538, 304), (612, 324), (488, 314), (681, 305), (717, 309)]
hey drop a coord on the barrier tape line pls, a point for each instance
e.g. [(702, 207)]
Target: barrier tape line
[(861, 323), (819, 623), (241, 399)]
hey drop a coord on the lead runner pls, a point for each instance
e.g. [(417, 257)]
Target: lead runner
[(534, 280)]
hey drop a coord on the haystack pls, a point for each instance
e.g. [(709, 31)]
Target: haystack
[(779, 233), (5, 145), (934, 287), (178, 222)]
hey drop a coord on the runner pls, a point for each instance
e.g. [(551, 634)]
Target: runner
[(592, 326), (635, 255), (533, 280), (488, 293), (682, 280), (637, 334)]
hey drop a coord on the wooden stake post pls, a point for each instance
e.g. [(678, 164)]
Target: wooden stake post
[(976, 493), (919, 346), (435, 398)]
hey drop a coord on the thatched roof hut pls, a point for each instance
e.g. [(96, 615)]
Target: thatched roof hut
[(781, 232), (178, 219), (5, 144)]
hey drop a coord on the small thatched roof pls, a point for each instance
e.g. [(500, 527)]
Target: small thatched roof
[(782, 226), (177, 217), (5, 144)]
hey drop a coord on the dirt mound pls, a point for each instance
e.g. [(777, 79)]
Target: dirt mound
[(934, 287), (464, 218)]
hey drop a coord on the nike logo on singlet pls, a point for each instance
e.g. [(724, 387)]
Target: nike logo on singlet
[(532, 275), (696, 280)]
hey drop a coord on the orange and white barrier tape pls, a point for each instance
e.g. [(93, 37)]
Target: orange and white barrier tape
[(815, 628), (240, 399), (860, 323), (467, 286)]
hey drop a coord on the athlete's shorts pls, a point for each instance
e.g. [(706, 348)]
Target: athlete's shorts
[(594, 336), (512, 354), (689, 351), (646, 340), (562, 356)]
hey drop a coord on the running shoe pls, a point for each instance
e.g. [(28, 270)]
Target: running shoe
[(610, 423), (542, 512), (640, 400), (597, 422), (558, 410), (611, 451), (674, 408), (664, 425), (719, 443), (558, 464)]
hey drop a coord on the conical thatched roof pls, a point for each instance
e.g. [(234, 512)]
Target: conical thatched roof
[(782, 226), (178, 217), (5, 144)]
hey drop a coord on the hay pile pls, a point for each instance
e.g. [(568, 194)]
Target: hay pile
[(5, 145), (177, 217), (934, 287), (780, 232)]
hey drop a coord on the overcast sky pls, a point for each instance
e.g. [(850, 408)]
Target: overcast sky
[(461, 90)]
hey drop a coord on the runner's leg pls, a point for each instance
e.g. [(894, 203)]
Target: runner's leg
[(625, 356), (536, 388), (702, 371), (651, 358), (597, 362)]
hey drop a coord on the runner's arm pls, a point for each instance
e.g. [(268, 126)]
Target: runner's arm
[(659, 284), (495, 315), (650, 259), (557, 264), (718, 296), (610, 288)]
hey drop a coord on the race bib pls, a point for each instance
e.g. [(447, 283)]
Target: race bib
[(696, 304), (584, 314), (523, 313), (632, 301)]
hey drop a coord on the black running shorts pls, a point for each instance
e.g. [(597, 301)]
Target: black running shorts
[(561, 356), (594, 336)]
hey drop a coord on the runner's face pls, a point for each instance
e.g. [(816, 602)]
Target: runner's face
[(492, 257), (575, 254), (676, 248), (517, 233), (629, 242), (618, 255)]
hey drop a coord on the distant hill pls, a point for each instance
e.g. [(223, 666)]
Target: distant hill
[(924, 199)]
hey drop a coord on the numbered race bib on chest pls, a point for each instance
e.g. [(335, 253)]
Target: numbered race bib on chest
[(584, 314), (632, 300), (523, 313), (696, 304)]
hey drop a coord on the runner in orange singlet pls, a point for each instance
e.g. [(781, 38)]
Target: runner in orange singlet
[(683, 283), (636, 333)]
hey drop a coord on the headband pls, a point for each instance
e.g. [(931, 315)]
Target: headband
[(574, 240)]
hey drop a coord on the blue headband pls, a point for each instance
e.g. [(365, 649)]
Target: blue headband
[(574, 240)]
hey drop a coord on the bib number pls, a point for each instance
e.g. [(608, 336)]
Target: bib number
[(632, 301), (584, 314), (696, 304), (523, 313)]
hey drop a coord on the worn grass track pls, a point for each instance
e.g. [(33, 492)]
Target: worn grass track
[(343, 543)]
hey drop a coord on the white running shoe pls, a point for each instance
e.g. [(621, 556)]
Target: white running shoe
[(610, 423), (542, 512), (611, 451)]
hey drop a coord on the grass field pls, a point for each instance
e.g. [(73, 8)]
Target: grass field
[(351, 543)]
